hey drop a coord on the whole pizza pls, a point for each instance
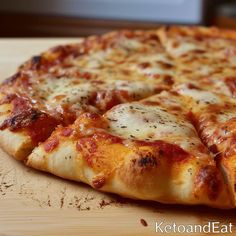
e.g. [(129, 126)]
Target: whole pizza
[(147, 115)]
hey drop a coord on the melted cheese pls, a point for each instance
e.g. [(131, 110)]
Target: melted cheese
[(72, 93), (130, 44), (221, 87), (142, 122), (171, 102), (76, 93), (154, 70), (108, 67), (136, 89), (107, 57), (93, 60), (226, 116), (182, 48), (200, 96), (155, 64), (64, 90)]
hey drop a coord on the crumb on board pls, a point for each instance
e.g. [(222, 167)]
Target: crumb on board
[(144, 222)]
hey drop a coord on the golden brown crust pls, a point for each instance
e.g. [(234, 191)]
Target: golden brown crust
[(17, 145), (136, 170), (132, 168)]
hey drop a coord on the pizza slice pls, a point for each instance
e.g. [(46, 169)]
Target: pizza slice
[(204, 56), (182, 40), (143, 150), (64, 82), (123, 55), (22, 126), (214, 116), (29, 115)]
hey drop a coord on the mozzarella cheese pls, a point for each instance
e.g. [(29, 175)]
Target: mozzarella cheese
[(76, 93), (226, 116), (63, 91), (93, 60), (200, 96), (144, 122), (72, 93), (130, 44), (182, 48), (221, 87), (136, 89)]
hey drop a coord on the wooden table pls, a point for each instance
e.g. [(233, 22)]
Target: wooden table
[(35, 203)]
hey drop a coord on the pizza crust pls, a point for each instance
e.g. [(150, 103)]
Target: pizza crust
[(16, 144), (160, 171), (166, 183)]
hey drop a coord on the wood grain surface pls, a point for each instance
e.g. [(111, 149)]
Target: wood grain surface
[(35, 203)]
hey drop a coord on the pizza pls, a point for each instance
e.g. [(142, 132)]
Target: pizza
[(148, 115)]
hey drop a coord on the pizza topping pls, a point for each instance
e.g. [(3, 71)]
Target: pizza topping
[(208, 177), (200, 96), (21, 120), (230, 149), (168, 80), (216, 130), (171, 151), (21, 104), (42, 128), (136, 121), (87, 143), (85, 75), (79, 95), (22, 115), (153, 65), (107, 99), (215, 123), (182, 49), (35, 62), (95, 74), (51, 144), (144, 65), (90, 120), (98, 182), (147, 119), (231, 83), (88, 147), (66, 132), (12, 79), (36, 123), (64, 91), (99, 135), (8, 98)]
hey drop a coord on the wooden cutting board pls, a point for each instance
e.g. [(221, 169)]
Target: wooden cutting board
[(35, 203)]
